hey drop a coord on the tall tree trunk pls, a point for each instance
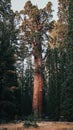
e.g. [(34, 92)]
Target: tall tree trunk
[(37, 90)]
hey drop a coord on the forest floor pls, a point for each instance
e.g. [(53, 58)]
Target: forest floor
[(41, 126)]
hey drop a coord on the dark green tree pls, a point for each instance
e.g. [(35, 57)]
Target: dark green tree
[(67, 86), (53, 86), (27, 89), (8, 77)]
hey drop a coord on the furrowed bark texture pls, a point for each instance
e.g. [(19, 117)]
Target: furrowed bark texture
[(37, 90)]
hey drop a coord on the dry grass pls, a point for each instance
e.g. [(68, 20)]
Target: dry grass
[(41, 126)]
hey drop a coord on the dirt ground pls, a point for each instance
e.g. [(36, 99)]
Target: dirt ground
[(41, 126)]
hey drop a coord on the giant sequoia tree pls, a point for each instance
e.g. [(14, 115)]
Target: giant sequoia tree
[(35, 24), (35, 29)]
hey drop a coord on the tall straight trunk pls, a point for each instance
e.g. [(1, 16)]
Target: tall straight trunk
[(37, 90)]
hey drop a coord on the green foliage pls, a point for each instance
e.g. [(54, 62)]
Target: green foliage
[(57, 72), (31, 121), (27, 124), (67, 85), (8, 76), (67, 95), (52, 93), (27, 89)]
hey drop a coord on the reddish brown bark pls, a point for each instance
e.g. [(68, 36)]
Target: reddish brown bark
[(37, 90)]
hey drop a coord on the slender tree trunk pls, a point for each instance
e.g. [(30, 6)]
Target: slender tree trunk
[(37, 90)]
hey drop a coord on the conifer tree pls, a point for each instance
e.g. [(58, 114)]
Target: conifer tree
[(8, 77), (67, 86), (35, 25)]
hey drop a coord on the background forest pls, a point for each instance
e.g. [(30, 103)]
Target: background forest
[(36, 62)]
